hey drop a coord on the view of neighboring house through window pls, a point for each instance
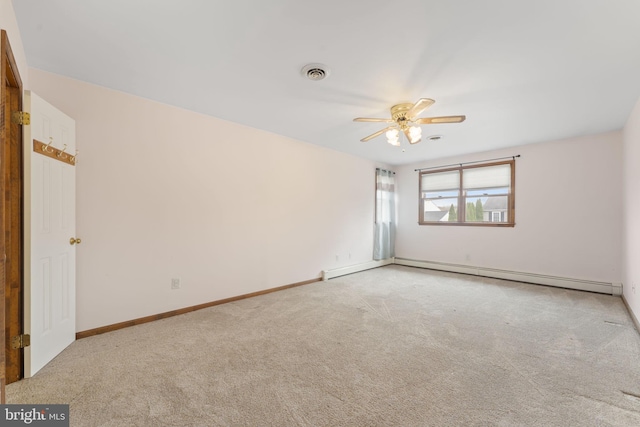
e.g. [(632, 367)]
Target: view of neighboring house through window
[(478, 194)]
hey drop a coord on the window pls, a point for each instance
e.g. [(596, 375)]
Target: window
[(479, 194)]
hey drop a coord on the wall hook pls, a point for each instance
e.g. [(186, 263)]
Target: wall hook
[(73, 158), (46, 147), (61, 153)]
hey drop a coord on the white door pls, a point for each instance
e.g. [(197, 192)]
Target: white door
[(50, 259)]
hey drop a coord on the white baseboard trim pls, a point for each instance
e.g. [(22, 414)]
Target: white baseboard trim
[(337, 272), (635, 320), (540, 279)]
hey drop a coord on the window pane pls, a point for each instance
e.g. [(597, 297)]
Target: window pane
[(438, 210), (441, 181), (487, 177), (487, 209)]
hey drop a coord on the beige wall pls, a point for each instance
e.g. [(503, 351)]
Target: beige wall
[(166, 193), (631, 241), (568, 214)]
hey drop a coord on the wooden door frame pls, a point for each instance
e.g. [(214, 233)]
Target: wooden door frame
[(11, 218)]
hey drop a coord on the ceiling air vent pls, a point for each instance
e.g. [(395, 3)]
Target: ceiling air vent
[(315, 72)]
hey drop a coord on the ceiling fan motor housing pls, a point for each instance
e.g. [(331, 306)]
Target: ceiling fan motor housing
[(399, 114)]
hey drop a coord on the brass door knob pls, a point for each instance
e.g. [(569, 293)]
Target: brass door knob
[(73, 241)]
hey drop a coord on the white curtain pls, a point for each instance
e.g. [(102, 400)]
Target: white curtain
[(385, 228)]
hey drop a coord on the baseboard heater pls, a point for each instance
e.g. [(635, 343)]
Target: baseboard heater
[(337, 272), (517, 276)]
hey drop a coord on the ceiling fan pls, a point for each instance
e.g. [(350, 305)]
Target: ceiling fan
[(403, 117)]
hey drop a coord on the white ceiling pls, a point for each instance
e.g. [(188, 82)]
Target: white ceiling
[(521, 71)]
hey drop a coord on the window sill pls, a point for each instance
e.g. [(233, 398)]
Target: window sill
[(467, 224)]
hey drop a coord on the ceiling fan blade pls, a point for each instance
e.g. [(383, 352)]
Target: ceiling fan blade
[(419, 107), (408, 135), (436, 120), (367, 119), (373, 135)]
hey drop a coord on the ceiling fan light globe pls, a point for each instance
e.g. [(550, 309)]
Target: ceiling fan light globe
[(393, 137), (415, 134)]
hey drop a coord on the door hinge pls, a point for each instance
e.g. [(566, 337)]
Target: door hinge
[(20, 341), (21, 118)]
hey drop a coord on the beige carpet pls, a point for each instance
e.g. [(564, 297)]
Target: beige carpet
[(395, 346)]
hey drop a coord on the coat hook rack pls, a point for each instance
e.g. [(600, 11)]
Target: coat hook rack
[(53, 152), (73, 158)]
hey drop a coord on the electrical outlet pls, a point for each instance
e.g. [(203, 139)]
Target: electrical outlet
[(175, 283)]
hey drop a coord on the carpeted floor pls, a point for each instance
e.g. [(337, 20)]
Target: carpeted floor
[(394, 346)]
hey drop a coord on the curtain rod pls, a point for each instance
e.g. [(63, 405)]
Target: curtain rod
[(385, 170), (467, 163)]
